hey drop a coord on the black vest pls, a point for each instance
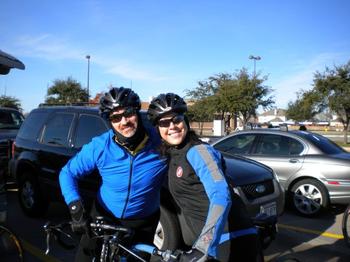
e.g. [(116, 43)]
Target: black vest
[(191, 198)]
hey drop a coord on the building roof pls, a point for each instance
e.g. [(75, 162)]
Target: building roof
[(274, 112), (144, 105), (276, 119)]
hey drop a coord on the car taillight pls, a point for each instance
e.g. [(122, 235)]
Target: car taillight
[(13, 149)]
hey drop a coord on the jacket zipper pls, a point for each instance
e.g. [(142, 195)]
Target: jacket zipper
[(129, 189)]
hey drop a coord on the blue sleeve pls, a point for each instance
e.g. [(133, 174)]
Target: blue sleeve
[(82, 164), (206, 162)]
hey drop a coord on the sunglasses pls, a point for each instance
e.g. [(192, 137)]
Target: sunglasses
[(129, 112), (177, 119)]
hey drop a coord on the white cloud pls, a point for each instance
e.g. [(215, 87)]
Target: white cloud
[(130, 72), (51, 48), (302, 78), (48, 47)]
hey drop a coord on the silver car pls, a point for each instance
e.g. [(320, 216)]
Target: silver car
[(314, 171)]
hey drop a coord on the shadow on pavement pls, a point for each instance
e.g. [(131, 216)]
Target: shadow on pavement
[(305, 242)]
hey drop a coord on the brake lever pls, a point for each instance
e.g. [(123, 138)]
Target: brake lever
[(57, 231), (48, 236)]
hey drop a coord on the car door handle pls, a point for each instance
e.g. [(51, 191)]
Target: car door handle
[(293, 160)]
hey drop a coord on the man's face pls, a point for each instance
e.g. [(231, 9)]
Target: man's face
[(124, 121)]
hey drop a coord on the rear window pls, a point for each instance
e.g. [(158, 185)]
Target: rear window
[(57, 130), (88, 127), (32, 125), (324, 144), (10, 119)]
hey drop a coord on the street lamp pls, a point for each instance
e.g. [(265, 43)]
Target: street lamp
[(254, 58), (88, 76)]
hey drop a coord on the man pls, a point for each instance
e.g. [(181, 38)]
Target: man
[(131, 172)]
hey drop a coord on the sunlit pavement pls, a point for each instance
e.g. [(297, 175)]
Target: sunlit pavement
[(315, 239)]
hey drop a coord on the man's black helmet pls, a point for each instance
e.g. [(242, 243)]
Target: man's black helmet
[(164, 104), (118, 97)]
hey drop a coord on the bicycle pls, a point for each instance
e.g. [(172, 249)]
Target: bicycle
[(346, 226), (114, 246), (10, 247)]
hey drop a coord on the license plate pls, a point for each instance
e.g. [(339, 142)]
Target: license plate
[(269, 209)]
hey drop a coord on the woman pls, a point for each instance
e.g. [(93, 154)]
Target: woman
[(213, 220)]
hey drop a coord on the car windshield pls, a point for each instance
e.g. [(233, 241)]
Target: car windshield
[(323, 143), (10, 119)]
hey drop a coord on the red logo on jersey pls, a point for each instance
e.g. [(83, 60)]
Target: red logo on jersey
[(179, 171)]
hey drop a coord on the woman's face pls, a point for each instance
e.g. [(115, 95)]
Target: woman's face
[(173, 129)]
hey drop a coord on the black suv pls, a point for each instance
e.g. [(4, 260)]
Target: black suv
[(10, 121), (50, 136)]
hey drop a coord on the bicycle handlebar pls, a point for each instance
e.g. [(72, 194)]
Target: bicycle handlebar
[(100, 228), (166, 255), (110, 227)]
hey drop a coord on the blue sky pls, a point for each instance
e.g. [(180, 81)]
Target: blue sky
[(159, 46)]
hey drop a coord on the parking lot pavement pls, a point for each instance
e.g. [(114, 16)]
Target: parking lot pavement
[(298, 245), (309, 239)]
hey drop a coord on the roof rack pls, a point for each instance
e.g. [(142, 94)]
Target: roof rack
[(69, 104), (284, 127)]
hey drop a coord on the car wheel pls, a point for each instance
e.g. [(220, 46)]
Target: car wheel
[(30, 197), (309, 197), (168, 233)]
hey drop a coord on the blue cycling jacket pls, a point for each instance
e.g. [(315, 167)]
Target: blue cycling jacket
[(130, 186)]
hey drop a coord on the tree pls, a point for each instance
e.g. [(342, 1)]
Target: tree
[(243, 94), (331, 91), (206, 88), (238, 95), (9, 101), (204, 103), (333, 85), (201, 111), (304, 107), (66, 92)]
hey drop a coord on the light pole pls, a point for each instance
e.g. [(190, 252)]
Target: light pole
[(88, 76), (254, 58)]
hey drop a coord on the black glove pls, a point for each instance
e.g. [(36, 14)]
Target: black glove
[(80, 221), (191, 256)]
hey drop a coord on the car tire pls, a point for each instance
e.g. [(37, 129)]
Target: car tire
[(168, 233), (30, 196), (309, 197)]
